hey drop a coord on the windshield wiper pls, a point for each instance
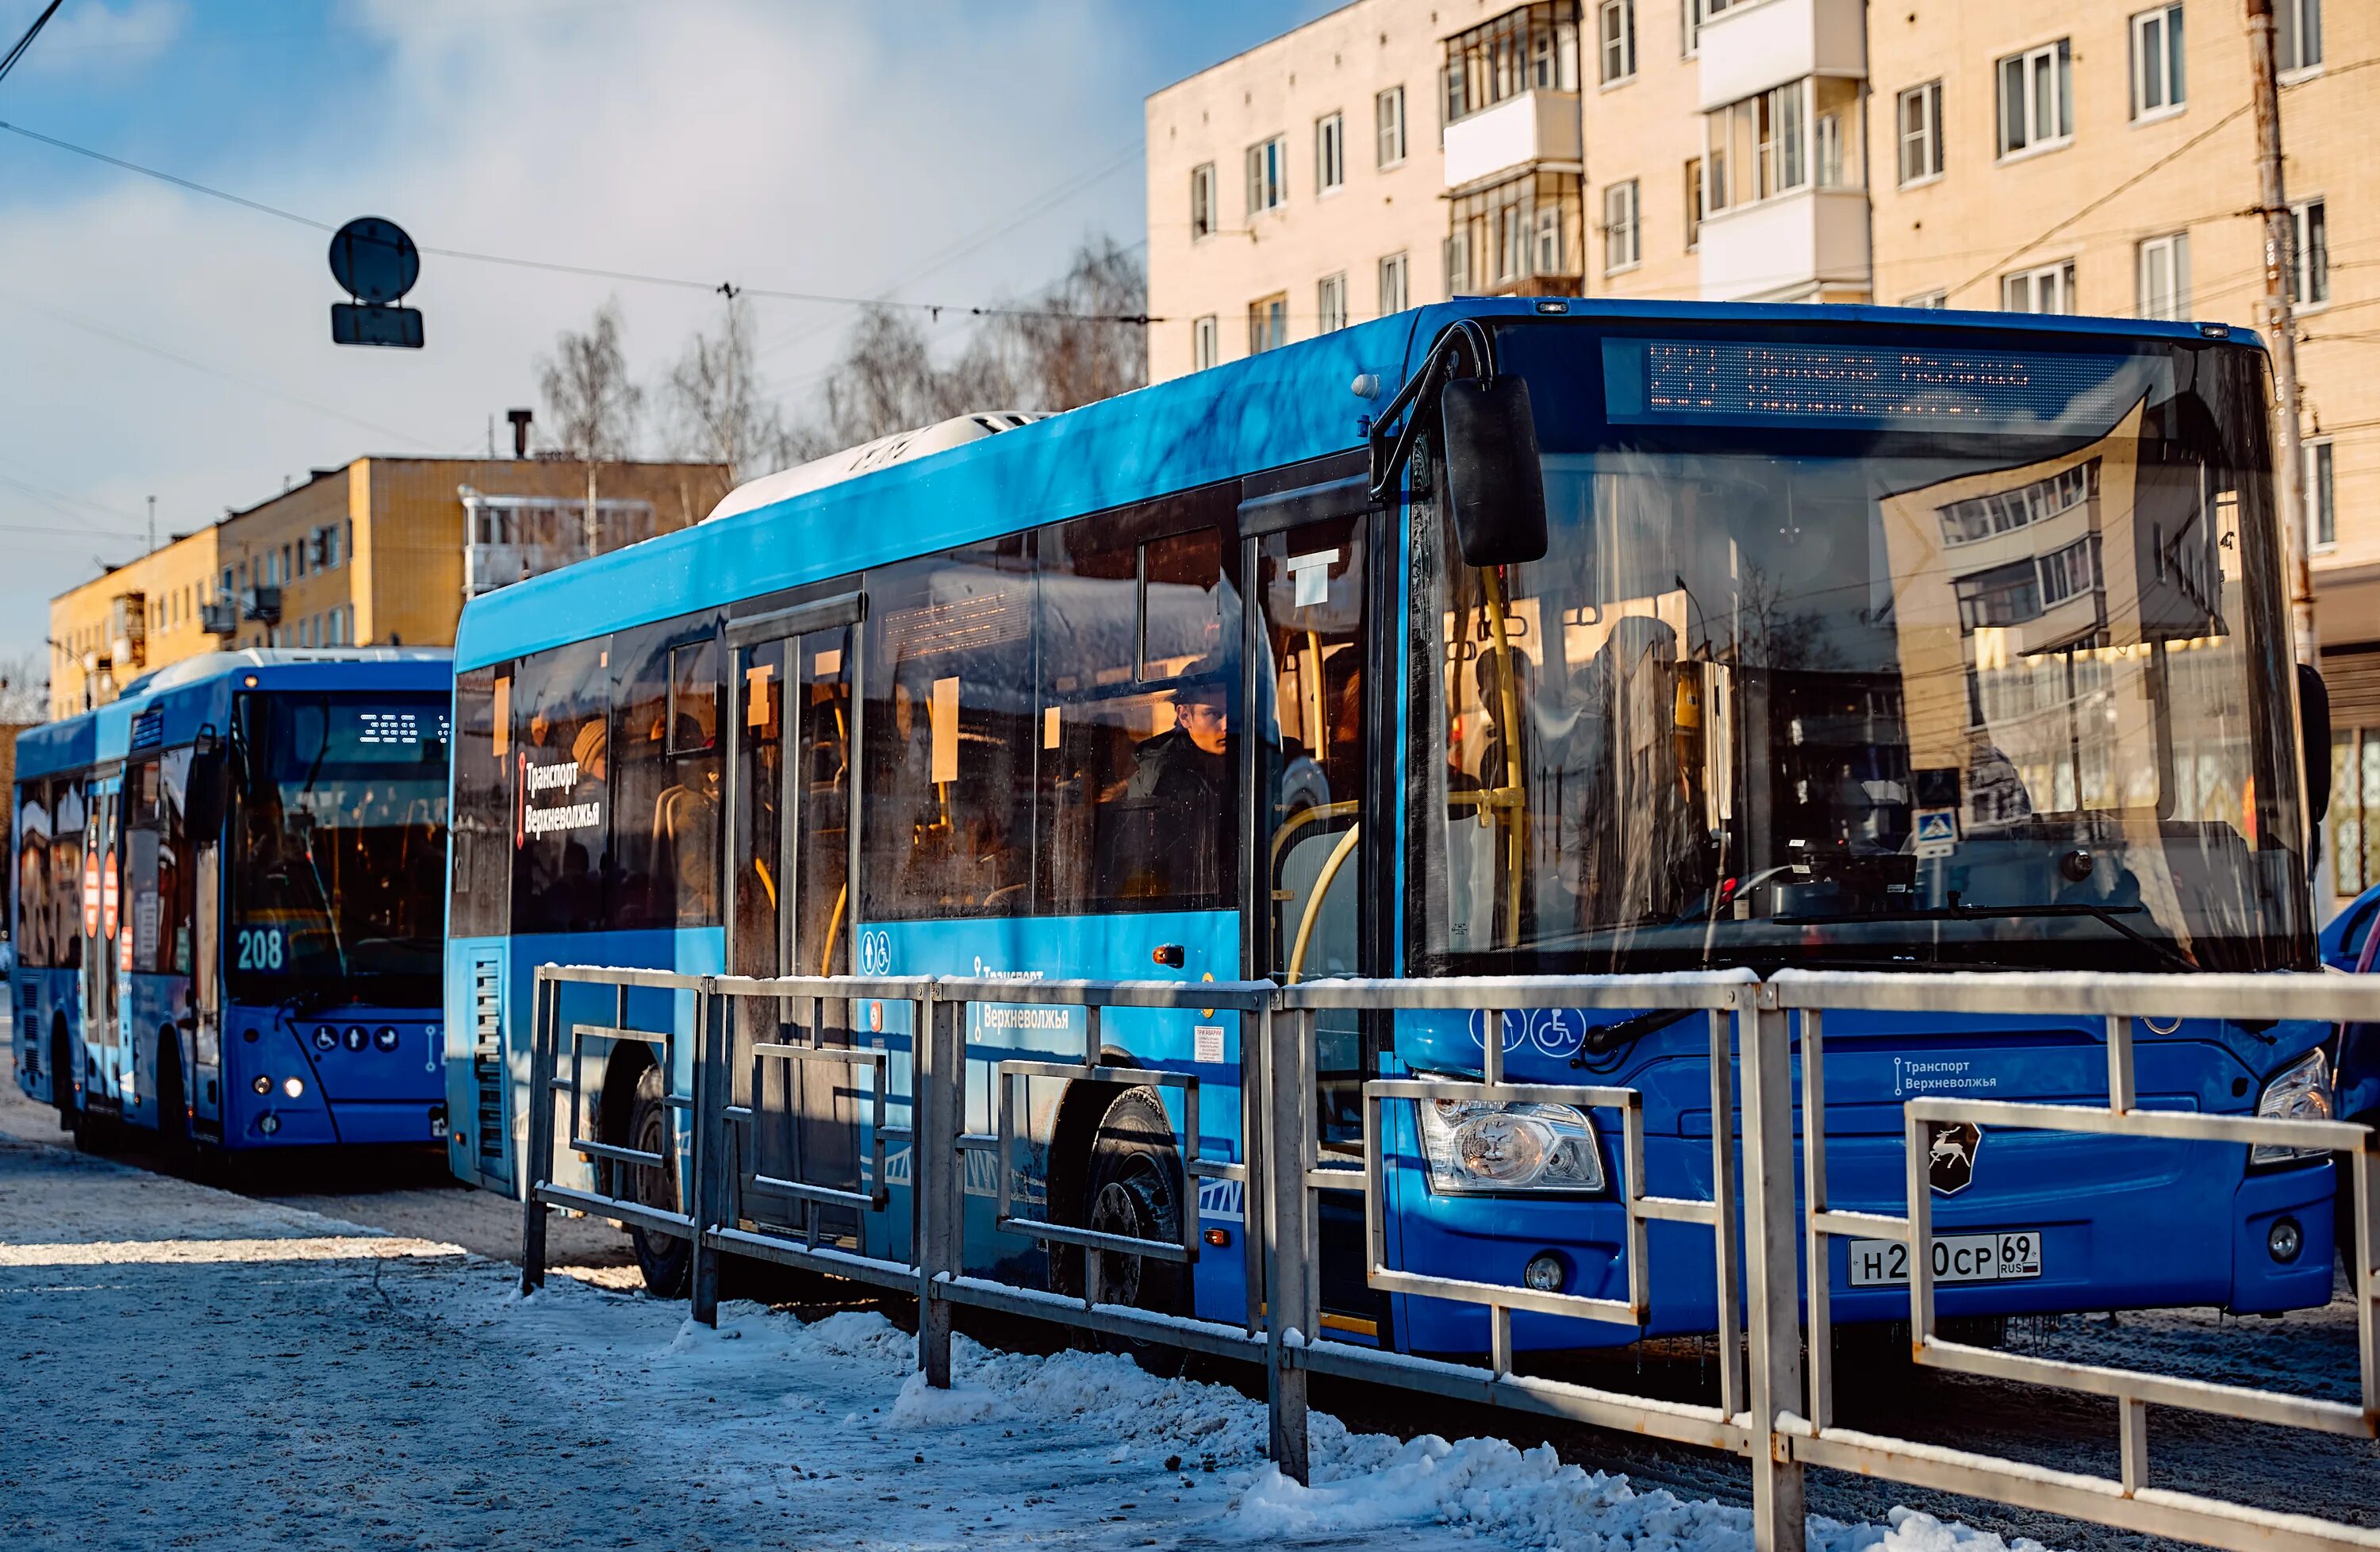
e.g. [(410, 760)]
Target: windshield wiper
[(1605, 1039), (1957, 910)]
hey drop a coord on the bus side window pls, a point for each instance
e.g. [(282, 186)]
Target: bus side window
[(65, 876), (665, 727), (481, 828), (562, 737), (1139, 675), (948, 731), (33, 893)]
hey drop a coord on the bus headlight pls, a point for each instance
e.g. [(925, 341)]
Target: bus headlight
[(1477, 1145), (2298, 1092), (293, 1087)]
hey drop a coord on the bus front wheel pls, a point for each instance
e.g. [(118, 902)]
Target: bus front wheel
[(666, 1261)]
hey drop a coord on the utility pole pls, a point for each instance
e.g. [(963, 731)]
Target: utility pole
[(2279, 264), (152, 525)]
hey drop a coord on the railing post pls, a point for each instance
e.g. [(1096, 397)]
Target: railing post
[(938, 1175), (1286, 1143), (539, 1149), (710, 1139), (1773, 1288)]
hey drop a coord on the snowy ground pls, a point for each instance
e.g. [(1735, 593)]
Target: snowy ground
[(196, 1369)]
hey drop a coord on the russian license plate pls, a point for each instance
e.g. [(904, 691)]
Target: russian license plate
[(2007, 1256)]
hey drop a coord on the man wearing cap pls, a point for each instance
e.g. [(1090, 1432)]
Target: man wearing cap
[(1180, 792)]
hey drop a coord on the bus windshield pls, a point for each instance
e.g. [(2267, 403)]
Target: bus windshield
[(1880, 657), (338, 848)]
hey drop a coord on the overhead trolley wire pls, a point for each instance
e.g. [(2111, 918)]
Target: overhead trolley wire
[(726, 288)]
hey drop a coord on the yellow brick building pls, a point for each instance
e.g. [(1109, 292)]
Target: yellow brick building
[(381, 552)]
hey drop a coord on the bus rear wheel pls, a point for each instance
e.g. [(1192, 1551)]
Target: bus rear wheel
[(666, 1261)]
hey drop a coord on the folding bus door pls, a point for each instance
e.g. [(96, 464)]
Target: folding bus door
[(790, 853), (1316, 667)]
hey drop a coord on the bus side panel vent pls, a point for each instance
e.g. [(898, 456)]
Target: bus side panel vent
[(488, 1062)]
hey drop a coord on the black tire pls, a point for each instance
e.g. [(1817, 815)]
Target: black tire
[(172, 1105), (2345, 1233), (1132, 1185), (62, 1076), (666, 1261)]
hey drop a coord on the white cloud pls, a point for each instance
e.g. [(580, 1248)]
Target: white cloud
[(828, 149), (92, 37)]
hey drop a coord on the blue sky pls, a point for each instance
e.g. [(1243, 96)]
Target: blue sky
[(160, 343)]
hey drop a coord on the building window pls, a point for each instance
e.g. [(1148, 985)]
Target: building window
[(1920, 116), (2165, 277), (1396, 284), (1829, 147), (1206, 343), (2157, 81), (1330, 301), (2299, 40), (1694, 201), (1268, 322), (2309, 267), (1388, 122), (1549, 240), (1512, 243), (1458, 262), (1621, 249), (2049, 289), (1329, 153), (2322, 509), (1268, 174), (1615, 39), (1757, 148), (1202, 200), (1529, 48), (2038, 97), (1932, 299)]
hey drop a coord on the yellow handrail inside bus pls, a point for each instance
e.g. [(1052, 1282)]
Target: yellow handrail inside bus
[(1331, 866), (1515, 799), (833, 926)]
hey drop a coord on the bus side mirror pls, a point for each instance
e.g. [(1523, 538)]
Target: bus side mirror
[(2314, 724), (1495, 487), (204, 795)]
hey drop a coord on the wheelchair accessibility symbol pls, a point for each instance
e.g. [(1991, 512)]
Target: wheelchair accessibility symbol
[(875, 953), (1554, 1031)]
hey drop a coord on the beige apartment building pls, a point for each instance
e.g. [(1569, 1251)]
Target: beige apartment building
[(381, 552)]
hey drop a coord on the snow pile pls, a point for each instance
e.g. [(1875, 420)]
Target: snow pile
[(1105, 1405), (1527, 1497)]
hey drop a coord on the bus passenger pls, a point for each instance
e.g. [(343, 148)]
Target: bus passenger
[(1162, 840)]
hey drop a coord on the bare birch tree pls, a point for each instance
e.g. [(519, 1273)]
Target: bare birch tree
[(25, 689), (715, 407), (592, 405)]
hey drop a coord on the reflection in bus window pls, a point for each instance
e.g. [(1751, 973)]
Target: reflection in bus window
[(340, 843), (948, 829), (1754, 704), (33, 893), (1140, 675), (665, 780)]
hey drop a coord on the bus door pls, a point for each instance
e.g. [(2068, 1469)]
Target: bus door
[(791, 858), (103, 968), (1315, 672)]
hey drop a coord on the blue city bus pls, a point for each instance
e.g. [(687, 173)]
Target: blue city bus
[(1648, 637), (228, 888)]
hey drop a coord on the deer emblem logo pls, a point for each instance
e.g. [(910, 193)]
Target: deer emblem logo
[(1951, 1156)]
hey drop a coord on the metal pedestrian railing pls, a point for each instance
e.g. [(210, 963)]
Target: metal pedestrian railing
[(1770, 1250)]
